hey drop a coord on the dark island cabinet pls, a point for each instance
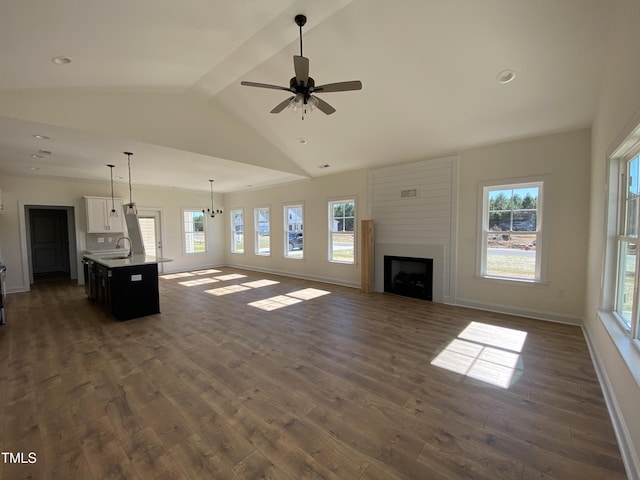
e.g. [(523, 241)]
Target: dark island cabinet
[(133, 291), (125, 291)]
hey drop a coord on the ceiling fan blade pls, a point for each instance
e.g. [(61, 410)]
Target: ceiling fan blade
[(339, 86), (301, 67), (282, 105), (263, 85), (324, 106)]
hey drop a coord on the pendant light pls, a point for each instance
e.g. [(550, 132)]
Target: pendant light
[(212, 213), (113, 213), (130, 207)]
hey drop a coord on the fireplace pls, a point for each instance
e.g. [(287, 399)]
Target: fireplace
[(408, 276)]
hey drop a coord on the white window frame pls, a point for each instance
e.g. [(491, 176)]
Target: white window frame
[(232, 216), (258, 234), (541, 182), (332, 231), (292, 254), (188, 248), (626, 339)]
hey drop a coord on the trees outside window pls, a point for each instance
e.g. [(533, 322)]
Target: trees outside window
[(194, 234), (342, 222), (511, 231)]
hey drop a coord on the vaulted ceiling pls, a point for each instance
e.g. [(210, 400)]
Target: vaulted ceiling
[(162, 79)]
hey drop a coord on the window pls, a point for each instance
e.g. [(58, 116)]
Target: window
[(195, 240), (293, 232), (626, 298), (237, 231), (511, 231), (342, 231), (263, 231)]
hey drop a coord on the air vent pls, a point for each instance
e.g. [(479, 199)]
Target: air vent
[(412, 192)]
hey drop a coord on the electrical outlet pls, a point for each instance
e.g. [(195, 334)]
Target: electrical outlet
[(109, 239), (100, 239)]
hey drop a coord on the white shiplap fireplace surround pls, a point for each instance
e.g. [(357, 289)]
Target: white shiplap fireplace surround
[(413, 209)]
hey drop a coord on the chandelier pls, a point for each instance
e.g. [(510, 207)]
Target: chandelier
[(211, 211)]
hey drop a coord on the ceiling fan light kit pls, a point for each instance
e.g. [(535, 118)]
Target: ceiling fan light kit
[(303, 87)]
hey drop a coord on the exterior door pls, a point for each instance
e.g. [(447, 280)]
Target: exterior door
[(49, 242), (150, 228)]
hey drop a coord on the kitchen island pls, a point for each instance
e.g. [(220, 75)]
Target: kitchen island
[(124, 285)]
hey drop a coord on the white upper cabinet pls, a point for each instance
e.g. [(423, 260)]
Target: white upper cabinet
[(98, 218)]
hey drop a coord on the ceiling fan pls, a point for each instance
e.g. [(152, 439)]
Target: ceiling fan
[(304, 87)]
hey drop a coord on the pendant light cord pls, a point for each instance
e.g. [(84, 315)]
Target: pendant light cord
[(301, 41), (128, 154), (113, 205)]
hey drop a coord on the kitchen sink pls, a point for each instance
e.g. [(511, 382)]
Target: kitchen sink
[(116, 257)]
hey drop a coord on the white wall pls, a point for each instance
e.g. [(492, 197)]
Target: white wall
[(314, 194), (619, 104), (18, 191), (564, 158)]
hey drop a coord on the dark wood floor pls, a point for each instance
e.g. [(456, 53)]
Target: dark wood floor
[(252, 376)]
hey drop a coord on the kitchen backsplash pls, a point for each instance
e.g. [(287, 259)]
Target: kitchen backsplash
[(104, 241)]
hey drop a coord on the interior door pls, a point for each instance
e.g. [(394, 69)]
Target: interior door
[(150, 226), (49, 241)]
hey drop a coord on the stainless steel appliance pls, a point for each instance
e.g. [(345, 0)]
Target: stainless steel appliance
[(3, 293), (89, 277)]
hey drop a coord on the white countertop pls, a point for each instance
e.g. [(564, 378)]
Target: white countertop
[(115, 260)]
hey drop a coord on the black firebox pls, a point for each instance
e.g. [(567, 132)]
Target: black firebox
[(408, 276)]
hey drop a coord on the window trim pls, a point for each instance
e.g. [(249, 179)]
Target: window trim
[(184, 210), (233, 230), (543, 183), (330, 202), (256, 230), (628, 347)]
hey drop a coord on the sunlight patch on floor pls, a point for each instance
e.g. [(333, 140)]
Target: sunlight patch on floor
[(267, 304), (198, 281), (308, 293), (171, 276), (231, 276), (226, 290), (209, 271), (484, 352), (260, 283), (500, 337), (274, 303)]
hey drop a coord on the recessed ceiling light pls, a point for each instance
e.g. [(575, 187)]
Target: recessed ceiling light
[(34, 168), (302, 141), (42, 137), (36, 155), (325, 165), (61, 60), (506, 76)]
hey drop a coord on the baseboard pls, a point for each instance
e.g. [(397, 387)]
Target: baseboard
[(519, 312), (316, 278), (628, 453)]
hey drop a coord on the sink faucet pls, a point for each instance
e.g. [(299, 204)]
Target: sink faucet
[(124, 238)]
